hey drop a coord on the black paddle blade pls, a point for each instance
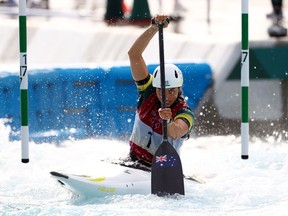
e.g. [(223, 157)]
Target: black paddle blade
[(167, 174)]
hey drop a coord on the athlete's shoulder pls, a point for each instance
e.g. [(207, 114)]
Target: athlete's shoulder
[(142, 85)]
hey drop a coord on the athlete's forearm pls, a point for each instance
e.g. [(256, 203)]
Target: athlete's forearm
[(177, 129), (137, 63), (142, 41)]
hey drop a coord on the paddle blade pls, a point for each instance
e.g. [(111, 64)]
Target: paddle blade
[(166, 173)]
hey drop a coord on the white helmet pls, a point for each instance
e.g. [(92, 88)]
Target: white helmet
[(173, 77)]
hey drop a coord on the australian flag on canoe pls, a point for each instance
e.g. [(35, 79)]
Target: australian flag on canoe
[(166, 161)]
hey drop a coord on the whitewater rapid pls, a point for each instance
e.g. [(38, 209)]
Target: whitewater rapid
[(257, 186)]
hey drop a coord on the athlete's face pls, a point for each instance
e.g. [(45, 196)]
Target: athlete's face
[(170, 93)]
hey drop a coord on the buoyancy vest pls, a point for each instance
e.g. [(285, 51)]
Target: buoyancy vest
[(147, 130)]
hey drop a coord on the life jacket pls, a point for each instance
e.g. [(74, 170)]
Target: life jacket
[(147, 136)]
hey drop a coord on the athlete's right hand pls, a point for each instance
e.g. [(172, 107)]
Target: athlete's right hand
[(160, 19)]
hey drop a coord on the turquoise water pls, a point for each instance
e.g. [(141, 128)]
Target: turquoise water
[(257, 186)]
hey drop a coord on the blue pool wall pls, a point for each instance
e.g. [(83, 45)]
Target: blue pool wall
[(76, 103)]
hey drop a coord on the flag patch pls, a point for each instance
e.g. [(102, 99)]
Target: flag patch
[(166, 161)]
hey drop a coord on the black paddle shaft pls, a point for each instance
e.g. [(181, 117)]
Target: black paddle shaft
[(162, 76)]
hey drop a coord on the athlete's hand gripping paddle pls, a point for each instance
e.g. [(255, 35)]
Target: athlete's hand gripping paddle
[(166, 172)]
